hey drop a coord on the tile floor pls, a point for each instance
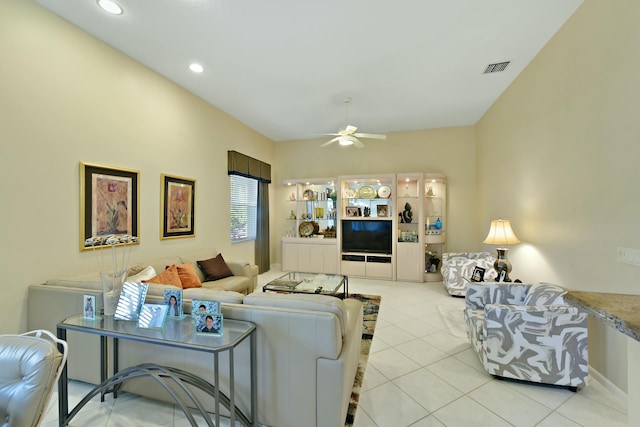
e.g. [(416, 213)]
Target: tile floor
[(422, 372)]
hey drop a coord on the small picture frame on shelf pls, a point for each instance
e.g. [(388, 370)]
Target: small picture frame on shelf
[(352, 211), (382, 210), (89, 307), (152, 316), (204, 306), (173, 301), (478, 274), (208, 324)]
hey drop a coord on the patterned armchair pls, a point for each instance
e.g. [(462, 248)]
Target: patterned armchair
[(457, 266), (527, 332)]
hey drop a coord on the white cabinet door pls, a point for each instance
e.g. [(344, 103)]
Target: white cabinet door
[(408, 262)]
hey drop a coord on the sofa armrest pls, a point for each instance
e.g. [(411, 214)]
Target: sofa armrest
[(244, 268), (536, 325)]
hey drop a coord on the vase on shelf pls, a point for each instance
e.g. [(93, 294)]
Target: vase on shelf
[(111, 288)]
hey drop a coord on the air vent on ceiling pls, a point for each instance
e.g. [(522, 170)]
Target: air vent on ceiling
[(496, 68)]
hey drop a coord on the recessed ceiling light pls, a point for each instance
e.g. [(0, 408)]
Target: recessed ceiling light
[(196, 68), (110, 6)]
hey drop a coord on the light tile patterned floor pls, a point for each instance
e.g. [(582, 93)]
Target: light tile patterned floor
[(421, 373)]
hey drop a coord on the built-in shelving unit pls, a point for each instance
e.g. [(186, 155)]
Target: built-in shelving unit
[(310, 244), (387, 226)]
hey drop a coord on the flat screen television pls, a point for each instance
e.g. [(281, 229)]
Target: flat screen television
[(371, 236)]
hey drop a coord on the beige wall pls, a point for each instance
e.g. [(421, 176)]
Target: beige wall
[(567, 132), (556, 155), (66, 97), (450, 151)]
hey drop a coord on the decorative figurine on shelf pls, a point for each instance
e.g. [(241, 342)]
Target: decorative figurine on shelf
[(367, 211), (430, 192), (406, 216), (292, 215), (438, 224)]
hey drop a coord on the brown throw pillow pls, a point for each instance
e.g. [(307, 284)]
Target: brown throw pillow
[(188, 276), (168, 277), (214, 268)]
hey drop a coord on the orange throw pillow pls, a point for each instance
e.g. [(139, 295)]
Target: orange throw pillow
[(168, 277), (188, 276)]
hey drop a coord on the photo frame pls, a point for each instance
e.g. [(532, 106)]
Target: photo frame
[(89, 307), (178, 207), (131, 299), (204, 306), (382, 210), (352, 211), (209, 324), (152, 316), (173, 301), (478, 274), (109, 205)]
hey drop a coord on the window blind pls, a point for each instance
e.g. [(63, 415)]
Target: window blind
[(244, 207)]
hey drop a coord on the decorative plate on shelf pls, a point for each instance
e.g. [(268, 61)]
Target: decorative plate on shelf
[(367, 192), (308, 195), (384, 192), (305, 229), (350, 193)]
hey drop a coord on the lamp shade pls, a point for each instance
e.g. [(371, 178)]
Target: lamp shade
[(501, 233)]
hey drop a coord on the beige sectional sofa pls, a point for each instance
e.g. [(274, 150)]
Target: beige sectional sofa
[(308, 346)]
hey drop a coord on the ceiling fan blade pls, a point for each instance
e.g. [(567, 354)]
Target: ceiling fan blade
[(358, 144), (370, 135), (350, 129), (329, 142)]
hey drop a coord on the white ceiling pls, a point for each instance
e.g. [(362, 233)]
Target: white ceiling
[(284, 67)]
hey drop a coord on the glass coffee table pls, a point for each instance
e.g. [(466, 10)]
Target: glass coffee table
[(310, 283)]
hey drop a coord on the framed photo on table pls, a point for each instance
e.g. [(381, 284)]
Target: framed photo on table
[(478, 274), (178, 207), (109, 200)]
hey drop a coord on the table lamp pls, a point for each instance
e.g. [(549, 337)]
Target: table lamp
[(502, 234)]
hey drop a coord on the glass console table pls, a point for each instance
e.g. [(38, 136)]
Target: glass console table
[(177, 333)]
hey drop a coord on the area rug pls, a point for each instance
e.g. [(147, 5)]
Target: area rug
[(371, 306)]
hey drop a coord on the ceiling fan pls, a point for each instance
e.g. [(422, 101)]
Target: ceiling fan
[(348, 135)]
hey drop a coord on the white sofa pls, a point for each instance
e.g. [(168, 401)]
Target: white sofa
[(308, 349)]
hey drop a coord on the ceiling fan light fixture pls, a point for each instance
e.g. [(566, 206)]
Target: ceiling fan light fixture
[(345, 140), (110, 6)]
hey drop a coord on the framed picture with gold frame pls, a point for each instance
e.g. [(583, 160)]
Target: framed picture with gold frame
[(178, 196), (109, 200)]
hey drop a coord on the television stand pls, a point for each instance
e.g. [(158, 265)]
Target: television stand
[(375, 266)]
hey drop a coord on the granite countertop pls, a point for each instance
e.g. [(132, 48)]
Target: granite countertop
[(620, 311)]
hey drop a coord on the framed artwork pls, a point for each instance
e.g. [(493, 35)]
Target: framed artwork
[(109, 201), (178, 207), (352, 211), (381, 210)]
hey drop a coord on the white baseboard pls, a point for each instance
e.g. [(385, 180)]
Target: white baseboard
[(611, 387)]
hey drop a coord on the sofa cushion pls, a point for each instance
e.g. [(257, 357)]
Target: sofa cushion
[(145, 274), (167, 277), (215, 268), (303, 302), (188, 276), (544, 294)]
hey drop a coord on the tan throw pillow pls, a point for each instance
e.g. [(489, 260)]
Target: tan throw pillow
[(214, 268), (146, 274), (188, 276), (168, 277)]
